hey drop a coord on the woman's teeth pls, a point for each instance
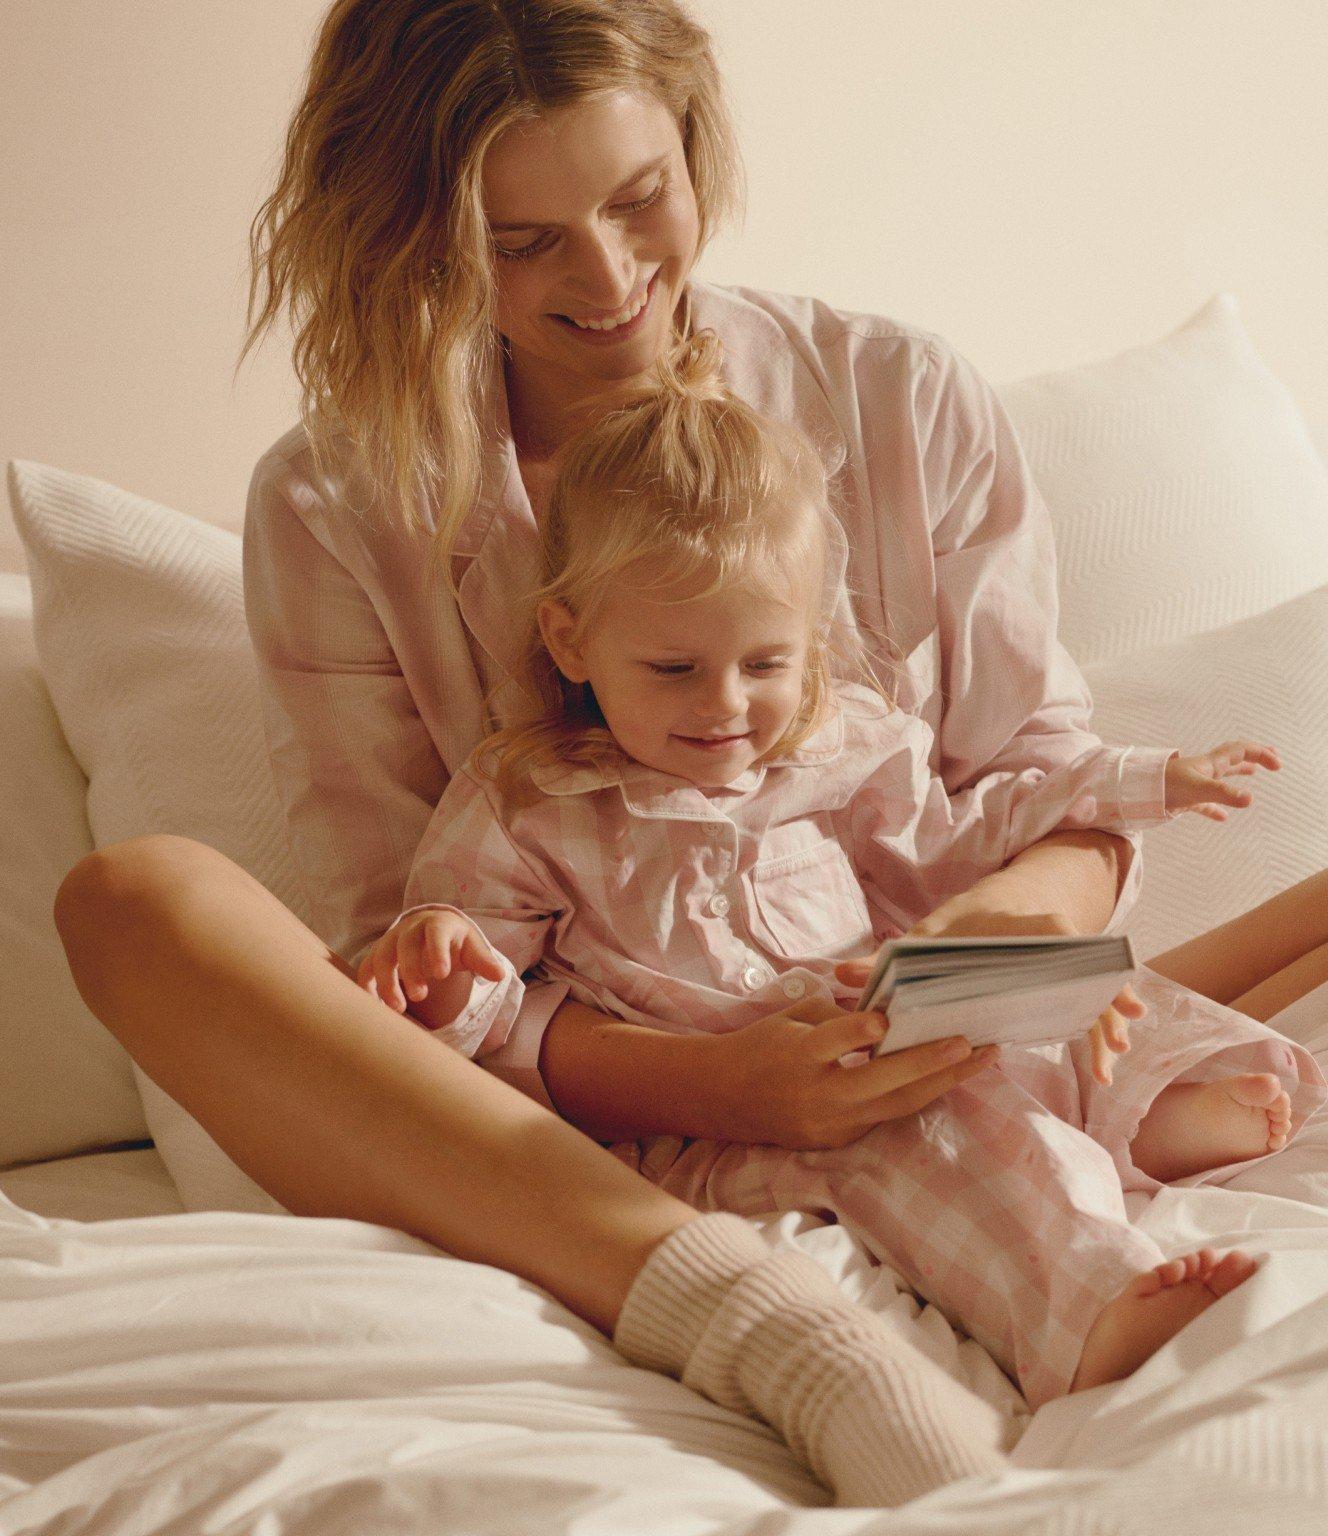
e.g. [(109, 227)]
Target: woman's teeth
[(614, 321)]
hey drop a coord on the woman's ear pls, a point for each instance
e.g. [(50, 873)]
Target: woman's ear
[(557, 629)]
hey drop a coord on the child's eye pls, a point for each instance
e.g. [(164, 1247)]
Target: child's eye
[(680, 668)]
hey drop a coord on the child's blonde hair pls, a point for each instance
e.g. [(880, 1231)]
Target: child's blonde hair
[(682, 492)]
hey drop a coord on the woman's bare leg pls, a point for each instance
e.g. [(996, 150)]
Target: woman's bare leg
[(337, 1105), (327, 1098), (1262, 960)]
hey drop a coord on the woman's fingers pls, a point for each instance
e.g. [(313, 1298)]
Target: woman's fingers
[(853, 973), (837, 1033), (907, 1098), (901, 1070)]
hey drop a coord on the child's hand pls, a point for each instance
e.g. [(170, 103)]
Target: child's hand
[(425, 947), (1196, 783)]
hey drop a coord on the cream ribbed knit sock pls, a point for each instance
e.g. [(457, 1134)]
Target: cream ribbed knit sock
[(766, 1331)]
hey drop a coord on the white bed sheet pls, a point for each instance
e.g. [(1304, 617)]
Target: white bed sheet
[(218, 1372)]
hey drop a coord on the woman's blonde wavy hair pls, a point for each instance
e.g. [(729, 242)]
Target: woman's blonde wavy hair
[(374, 241), (682, 492)]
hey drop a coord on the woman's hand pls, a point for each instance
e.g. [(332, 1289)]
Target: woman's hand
[(1196, 783), (784, 1083), (1110, 1036), (425, 949)]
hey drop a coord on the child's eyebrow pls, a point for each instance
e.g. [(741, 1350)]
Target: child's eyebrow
[(622, 186), (678, 652)]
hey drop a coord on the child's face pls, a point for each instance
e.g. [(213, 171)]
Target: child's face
[(728, 668)]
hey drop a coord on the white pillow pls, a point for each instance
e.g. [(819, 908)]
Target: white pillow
[(68, 1086), (1267, 678), (1184, 486), (139, 624)]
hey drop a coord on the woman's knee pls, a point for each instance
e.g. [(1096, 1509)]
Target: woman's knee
[(123, 882)]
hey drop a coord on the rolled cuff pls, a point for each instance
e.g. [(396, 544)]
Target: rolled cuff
[(1141, 788), (516, 1061)]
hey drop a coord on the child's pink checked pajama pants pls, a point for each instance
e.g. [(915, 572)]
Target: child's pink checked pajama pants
[(1003, 1201)]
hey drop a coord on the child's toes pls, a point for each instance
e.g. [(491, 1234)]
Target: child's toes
[(1230, 1271), (1257, 1090), (1279, 1122)]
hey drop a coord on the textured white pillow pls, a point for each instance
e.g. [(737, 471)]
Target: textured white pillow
[(139, 624), (1265, 677), (68, 1086), (1184, 487)]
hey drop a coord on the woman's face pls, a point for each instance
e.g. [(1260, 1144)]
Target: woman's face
[(595, 226)]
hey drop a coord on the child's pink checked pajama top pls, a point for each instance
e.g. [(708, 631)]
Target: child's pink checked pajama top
[(703, 910)]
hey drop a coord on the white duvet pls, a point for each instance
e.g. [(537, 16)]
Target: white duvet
[(219, 1372)]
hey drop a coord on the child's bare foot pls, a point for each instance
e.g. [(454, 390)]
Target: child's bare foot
[(1193, 1126), (1153, 1308)]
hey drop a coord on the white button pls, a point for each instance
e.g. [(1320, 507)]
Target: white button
[(794, 986), (751, 977), (719, 905)]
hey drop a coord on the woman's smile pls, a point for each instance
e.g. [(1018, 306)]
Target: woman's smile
[(633, 317)]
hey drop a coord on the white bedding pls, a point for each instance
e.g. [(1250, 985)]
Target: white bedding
[(222, 1372)]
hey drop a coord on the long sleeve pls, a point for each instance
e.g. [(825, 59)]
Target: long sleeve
[(356, 770), (468, 862), (914, 844), (1015, 699)]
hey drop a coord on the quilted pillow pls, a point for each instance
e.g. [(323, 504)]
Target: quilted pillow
[(1184, 487), (139, 625), (1266, 678), (68, 1086)]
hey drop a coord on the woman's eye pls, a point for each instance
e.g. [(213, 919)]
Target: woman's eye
[(643, 202), (536, 247), (522, 252)]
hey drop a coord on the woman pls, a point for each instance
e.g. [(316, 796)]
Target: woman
[(484, 229)]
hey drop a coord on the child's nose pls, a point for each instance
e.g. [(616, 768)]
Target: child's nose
[(725, 697)]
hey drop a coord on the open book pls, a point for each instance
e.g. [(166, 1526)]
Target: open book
[(1038, 990)]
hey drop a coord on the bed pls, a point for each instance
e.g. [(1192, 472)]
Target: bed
[(182, 1354)]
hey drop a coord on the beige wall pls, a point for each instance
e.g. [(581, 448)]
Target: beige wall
[(1042, 181)]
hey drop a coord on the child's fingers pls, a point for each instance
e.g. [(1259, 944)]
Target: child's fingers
[(1212, 812), (1101, 1056), (384, 968), (1127, 1004), (424, 956), (1244, 757), (476, 956)]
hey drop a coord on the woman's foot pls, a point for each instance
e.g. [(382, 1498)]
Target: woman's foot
[(1153, 1308), (1191, 1127)]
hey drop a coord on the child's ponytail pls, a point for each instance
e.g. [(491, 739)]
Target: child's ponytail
[(683, 490)]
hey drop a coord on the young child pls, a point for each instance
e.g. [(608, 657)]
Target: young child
[(713, 802)]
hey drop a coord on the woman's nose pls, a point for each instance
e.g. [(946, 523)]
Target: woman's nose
[(604, 269)]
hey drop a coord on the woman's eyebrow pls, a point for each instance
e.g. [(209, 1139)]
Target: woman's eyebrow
[(622, 186)]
